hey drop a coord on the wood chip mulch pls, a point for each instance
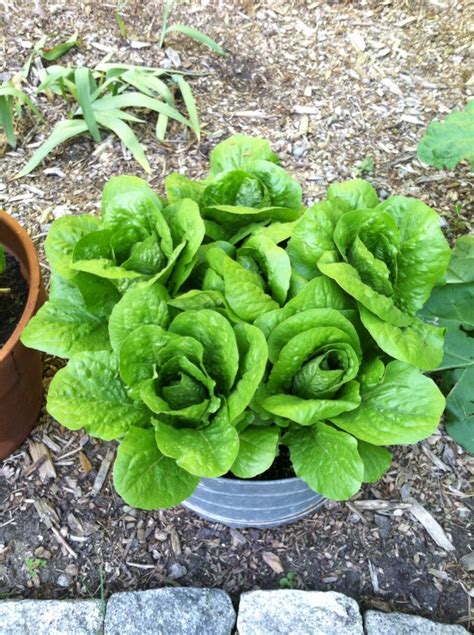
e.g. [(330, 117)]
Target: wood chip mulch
[(329, 84)]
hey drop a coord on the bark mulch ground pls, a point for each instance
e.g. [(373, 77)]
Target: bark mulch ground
[(330, 84)]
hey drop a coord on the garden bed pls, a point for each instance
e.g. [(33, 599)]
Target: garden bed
[(329, 84)]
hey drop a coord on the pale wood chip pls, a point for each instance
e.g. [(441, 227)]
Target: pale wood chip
[(42, 459), (430, 524), (175, 544), (103, 471)]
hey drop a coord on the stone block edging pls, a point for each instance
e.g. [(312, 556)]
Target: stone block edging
[(193, 611)]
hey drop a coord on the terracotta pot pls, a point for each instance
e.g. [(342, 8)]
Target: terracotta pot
[(21, 385)]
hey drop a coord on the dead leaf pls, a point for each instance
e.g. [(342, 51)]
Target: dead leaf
[(85, 463), (273, 561)]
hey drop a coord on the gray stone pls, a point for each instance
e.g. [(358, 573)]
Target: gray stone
[(170, 611), (303, 612), (378, 623), (50, 617)]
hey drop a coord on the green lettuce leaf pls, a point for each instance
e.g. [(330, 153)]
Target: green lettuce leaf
[(237, 151), (424, 252), (448, 143), (143, 304), (405, 407), (88, 393), (62, 238), (312, 237), (326, 459), (146, 479), (64, 325), (419, 343), (355, 194), (257, 451), (376, 460), (207, 452)]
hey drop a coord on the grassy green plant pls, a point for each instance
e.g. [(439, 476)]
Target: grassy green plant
[(194, 34), (366, 166), (104, 96), (12, 100), (34, 565)]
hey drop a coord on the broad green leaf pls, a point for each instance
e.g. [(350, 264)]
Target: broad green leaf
[(232, 218), (141, 305), (186, 227), (214, 332), (195, 299), (207, 452), (420, 344), (83, 78), (128, 201), (100, 295), (190, 104), (196, 35), (348, 278), (459, 415), (146, 479), (327, 460), (244, 292), (319, 293), (376, 460), (253, 355), (126, 136), (62, 238), (312, 237), (238, 188), (310, 319), (273, 261), (257, 451), (65, 129), (283, 189), (452, 307), (356, 194), (149, 347), (403, 408), (237, 151), (298, 346), (461, 265), (307, 412), (448, 143), (423, 255), (89, 394), (179, 186), (64, 325)]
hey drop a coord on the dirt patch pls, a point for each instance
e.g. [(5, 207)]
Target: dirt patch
[(329, 84), (13, 296)]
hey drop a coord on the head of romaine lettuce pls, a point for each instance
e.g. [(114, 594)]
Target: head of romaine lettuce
[(388, 256), (245, 190)]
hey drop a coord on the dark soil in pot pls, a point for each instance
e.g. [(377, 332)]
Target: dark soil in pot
[(12, 303), (280, 468)]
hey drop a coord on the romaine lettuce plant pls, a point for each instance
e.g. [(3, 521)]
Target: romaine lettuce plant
[(207, 330)]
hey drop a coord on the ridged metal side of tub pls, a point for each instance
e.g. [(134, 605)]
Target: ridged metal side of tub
[(241, 503)]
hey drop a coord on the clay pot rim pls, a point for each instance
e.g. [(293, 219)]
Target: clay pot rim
[(34, 282)]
